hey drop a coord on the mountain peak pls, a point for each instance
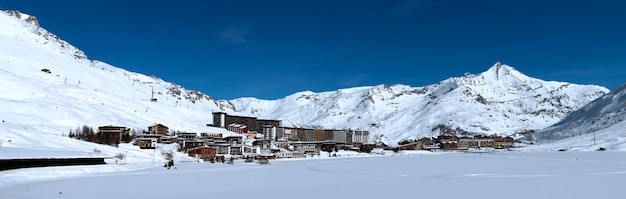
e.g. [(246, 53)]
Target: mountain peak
[(500, 69), (501, 72), (28, 18)]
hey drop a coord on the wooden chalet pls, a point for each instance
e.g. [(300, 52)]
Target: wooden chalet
[(158, 137), (189, 144), (202, 152), (146, 143), (503, 142), (111, 135), (158, 129)]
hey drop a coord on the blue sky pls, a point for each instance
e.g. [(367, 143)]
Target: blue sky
[(270, 49)]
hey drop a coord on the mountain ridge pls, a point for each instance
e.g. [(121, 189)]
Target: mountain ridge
[(77, 91), (600, 114), (500, 92)]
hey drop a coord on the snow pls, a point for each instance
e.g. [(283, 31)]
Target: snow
[(39, 109), (435, 175), (500, 101), (612, 138), (602, 113)]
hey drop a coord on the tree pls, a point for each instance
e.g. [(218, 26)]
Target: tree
[(366, 148), (87, 134), (127, 137)]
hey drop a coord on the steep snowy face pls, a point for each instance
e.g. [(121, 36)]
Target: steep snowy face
[(48, 87), (499, 101), (33, 35), (604, 112)]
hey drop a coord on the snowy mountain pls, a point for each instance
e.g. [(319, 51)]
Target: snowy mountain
[(602, 119), (499, 101), (49, 87)]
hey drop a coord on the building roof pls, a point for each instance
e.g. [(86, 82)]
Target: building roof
[(111, 126), (196, 148), (158, 125)]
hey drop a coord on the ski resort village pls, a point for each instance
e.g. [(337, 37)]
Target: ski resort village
[(249, 137), (73, 127)]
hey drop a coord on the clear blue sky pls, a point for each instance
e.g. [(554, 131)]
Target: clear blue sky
[(269, 49)]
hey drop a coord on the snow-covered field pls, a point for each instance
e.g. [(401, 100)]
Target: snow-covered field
[(425, 175)]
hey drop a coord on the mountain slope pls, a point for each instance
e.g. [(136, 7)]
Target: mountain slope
[(603, 117), (499, 101), (49, 87)]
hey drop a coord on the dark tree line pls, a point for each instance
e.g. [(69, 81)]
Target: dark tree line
[(87, 133)]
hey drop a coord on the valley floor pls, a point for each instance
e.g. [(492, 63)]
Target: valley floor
[(429, 175)]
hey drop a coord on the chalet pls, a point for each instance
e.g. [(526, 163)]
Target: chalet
[(426, 142), (429, 144), (189, 144), (478, 141), (157, 136), (464, 143), (169, 139), (187, 136), (233, 140), (483, 141), (447, 138), (202, 152), (222, 149), (503, 142), (111, 135), (146, 143), (158, 129)]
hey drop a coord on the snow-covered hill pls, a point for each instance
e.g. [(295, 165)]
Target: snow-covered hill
[(49, 87), (499, 101), (598, 124)]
